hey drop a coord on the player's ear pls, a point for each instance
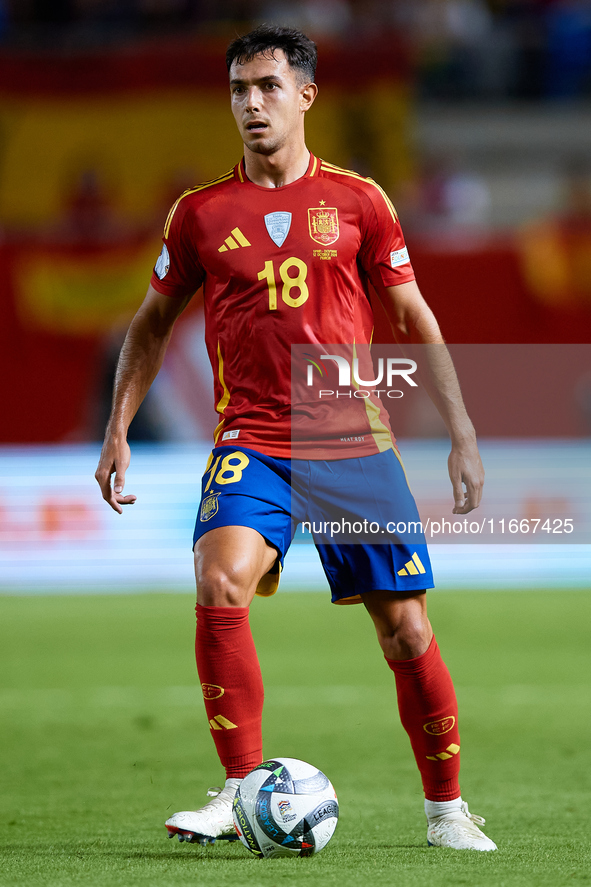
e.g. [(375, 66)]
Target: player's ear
[(307, 95)]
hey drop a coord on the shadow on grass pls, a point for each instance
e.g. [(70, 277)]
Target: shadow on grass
[(215, 855), (181, 857)]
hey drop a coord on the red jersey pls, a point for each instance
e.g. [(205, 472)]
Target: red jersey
[(281, 267)]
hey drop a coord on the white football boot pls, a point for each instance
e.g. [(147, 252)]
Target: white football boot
[(211, 823), (450, 824)]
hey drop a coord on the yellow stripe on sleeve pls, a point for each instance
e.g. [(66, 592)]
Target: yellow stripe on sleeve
[(170, 216), (330, 167)]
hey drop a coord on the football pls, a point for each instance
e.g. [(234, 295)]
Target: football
[(285, 807)]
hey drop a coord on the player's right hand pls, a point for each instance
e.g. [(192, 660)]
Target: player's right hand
[(115, 458)]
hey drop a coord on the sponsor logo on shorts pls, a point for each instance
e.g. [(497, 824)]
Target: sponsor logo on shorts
[(212, 691), (399, 257), (413, 568), (443, 725), (209, 507)]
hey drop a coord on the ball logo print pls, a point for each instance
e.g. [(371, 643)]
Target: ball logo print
[(285, 807)]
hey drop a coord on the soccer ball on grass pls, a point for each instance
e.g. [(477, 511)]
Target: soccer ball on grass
[(285, 807)]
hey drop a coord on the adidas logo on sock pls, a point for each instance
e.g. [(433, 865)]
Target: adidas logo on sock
[(449, 752), (234, 241), (221, 723)]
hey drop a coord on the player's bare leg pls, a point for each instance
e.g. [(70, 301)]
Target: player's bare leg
[(429, 714), (401, 622), (229, 563)]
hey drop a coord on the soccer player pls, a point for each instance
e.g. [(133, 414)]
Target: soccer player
[(285, 246)]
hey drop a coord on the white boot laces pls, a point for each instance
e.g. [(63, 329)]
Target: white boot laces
[(477, 820), (221, 797)]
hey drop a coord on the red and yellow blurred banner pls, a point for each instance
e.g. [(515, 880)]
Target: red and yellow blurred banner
[(95, 148), (146, 118)]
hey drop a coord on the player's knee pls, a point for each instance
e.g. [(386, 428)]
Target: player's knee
[(221, 588), (406, 639)]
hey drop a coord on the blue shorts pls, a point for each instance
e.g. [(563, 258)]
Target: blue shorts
[(360, 514)]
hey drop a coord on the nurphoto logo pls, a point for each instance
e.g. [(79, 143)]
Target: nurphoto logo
[(388, 371)]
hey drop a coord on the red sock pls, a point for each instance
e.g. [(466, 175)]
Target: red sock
[(232, 686), (429, 714)]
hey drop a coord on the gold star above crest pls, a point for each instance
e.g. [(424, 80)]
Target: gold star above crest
[(322, 202)]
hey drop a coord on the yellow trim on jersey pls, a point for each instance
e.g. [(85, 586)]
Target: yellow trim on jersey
[(217, 432), (330, 167), (379, 432), (315, 164), (399, 457), (240, 176), (169, 218), (225, 398), (387, 200)]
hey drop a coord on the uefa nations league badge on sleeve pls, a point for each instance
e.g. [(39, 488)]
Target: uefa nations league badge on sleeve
[(163, 263), (399, 257)]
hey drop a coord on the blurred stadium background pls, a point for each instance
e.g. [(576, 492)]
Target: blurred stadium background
[(476, 118)]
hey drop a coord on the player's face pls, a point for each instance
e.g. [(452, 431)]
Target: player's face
[(268, 103)]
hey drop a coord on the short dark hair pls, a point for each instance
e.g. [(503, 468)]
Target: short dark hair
[(298, 49)]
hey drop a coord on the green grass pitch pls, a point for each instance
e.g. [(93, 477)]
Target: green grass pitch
[(103, 736)]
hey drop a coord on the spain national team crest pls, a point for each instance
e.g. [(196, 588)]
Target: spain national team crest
[(323, 222), (209, 507)]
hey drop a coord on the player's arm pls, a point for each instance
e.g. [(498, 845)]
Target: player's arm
[(140, 359), (413, 322)]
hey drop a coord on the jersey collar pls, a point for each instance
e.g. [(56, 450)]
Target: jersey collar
[(240, 174)]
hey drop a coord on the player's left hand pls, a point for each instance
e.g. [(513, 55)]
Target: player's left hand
[(465, 470)]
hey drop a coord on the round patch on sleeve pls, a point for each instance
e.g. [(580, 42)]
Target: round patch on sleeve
[(163, 264)]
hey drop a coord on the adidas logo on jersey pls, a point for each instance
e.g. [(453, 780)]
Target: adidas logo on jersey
[(234, 241), (412, 567)]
